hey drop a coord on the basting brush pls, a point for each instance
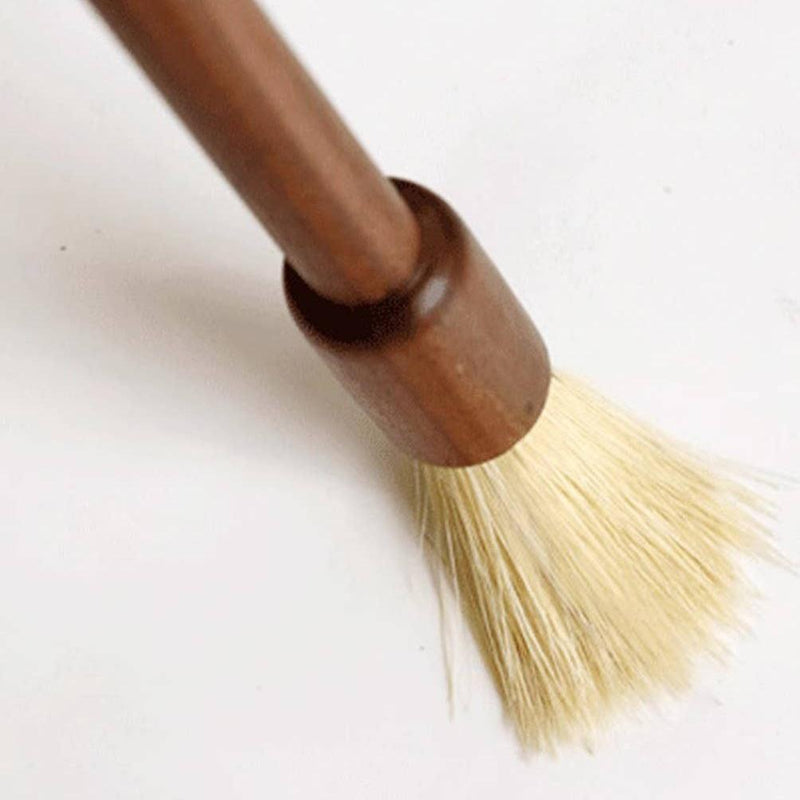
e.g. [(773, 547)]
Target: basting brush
[(594, 559)]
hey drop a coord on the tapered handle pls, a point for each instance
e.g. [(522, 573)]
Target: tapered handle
[(225, 70)]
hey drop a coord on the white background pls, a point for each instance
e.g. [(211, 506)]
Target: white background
[(209, 586)]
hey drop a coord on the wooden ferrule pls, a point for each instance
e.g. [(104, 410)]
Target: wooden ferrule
[(450, 366)]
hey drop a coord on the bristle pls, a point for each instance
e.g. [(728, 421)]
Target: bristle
[(595, 561)]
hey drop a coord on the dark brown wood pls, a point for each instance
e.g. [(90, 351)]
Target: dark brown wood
[(385, 280), (237, 86), (452, 369)]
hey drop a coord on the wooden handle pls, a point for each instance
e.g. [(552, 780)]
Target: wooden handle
[(384, 278), (237, 86)]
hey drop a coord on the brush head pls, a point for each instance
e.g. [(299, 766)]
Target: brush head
[(595, 561)]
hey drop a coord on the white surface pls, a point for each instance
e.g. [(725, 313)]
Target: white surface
[(208, 582)]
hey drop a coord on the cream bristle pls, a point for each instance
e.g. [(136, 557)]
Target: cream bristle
[(594, 561)]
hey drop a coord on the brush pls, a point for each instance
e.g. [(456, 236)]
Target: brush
[(594, 559)]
